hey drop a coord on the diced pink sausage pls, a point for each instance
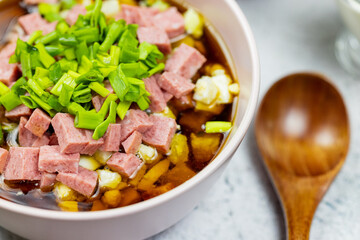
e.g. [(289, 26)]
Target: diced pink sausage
[(171, 21), (22, 164), (175, 84), (74, 13), (8, 50), (132, 143), (41, 141), (71, 139), (135, 120), (83, 182), (34, 2), (8, 72), (38, 123), (3, 159), (155, 36), (53, 140), (137, 15), (97, 102), (112, 138), (157, 101), (51, 160), (19, 111), (185, 61), (161, 133), (93, 145), (47, 180), (33, 21), (167, 96), (26, 138), (125, 164)]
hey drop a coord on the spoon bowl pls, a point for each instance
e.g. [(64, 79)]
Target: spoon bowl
[(302, 131)]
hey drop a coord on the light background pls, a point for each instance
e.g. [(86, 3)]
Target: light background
[(291, 36)]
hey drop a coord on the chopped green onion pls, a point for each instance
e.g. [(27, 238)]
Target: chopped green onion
[(129, 54), (70, 53), (62, 27), (96, 87), (67, 65), (26, 64), (115, 55), (96, 13), (46, 59), (105, 107), (143, 103), (29, 102), (67, 79), (158, 68), (122, 109), (67, 4), (88, 35), (54, 50), (81, 50), (34, 85), (3, 89), (101, 129), (48, 38), (10, 100), (54, 103), (135, 70), (17, 88), (114, 32), (55, 72), (43, 105), (34, 36), (68, 40), (87, 120), (119, 83), (2, 141), (65, 94), (92, 76), (51, 12), (217, 127), (74, 108)]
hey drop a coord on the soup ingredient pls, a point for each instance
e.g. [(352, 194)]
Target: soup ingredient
[(83, 182), (147, 153), (171, 21), (178, 175), (194, 23), (155, 36), (125, 164), (47, 181), (102, 156), (153, 175), (89, 162), (69, 206), (157, 100), (51, 160), (198, 141), (217, 127), (38, 123), (175, 84), (108, 179), (19, 111), (3, 159), (129, 196), (111, 198), (112, 138), (64, 193), (179, 150), (132, 143)]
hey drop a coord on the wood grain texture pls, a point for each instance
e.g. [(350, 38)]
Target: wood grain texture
[(302, 131), (9, 11)]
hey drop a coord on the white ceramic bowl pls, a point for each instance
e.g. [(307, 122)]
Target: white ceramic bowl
[(152, 216)]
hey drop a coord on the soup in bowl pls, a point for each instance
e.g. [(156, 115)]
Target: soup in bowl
[(122, 105)]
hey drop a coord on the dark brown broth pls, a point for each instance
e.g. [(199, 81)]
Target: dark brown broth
[(27, 193)]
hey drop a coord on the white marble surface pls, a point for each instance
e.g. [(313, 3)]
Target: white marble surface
[(291, 36)]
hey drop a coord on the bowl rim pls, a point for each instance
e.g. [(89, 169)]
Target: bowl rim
[(222, 157)]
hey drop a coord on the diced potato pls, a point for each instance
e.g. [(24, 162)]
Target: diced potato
[(195, 120), (140, 174), (111, 198), (98, 206), (128, 2), (161, 5), (102, 156), (205, 90), (234, 88), (205, 145), (130, 196), (213, 108), (166, 113), (222, 82), (178, 175), (180, 105), (210, 69), (122, 185), (147, 153), (194, 23), (154, 174), (89, 162), (69, 206), (64, 193), (179, 149), (108, 179), (156, 191), (110, 8), (188, 40)]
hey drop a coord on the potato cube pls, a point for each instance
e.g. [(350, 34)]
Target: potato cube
[(108, 179), (178, 175), (69, 206), (98, 206), (130, 196), (154, 174), (156, 191), (147, 153), (64, 193), (111, 198), (205, 145), (102, 156), (179, 149), (140, 174), (89, 162)]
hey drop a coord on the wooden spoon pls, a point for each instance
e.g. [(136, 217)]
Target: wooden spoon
[(9, 11), (302, 130)]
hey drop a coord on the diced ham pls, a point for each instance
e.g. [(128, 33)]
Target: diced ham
[(51, 160), (53, 140), (161, 133), (93, 145), (47, 180), (138, 15), (26, 138), (167, 96), (157, 101), (135, 120), (171, 21), (97, 102), (71, 139), (125, 164), (155, 36), (175, 84), (3, 159), (132, 143), (8, 72), (38, 123), (74, 13), (19, 111), (41, 141), (22, 164), (83, 182), (8, 50), (33, 21), (112, 138), (185, 61), (34, 2)]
